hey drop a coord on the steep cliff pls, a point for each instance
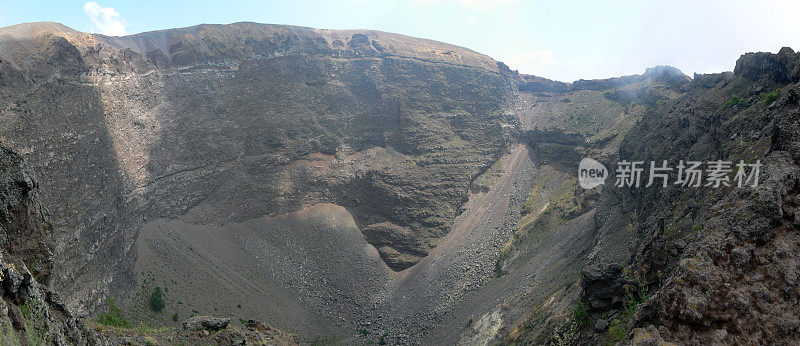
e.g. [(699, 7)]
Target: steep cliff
[(30, 311), (695, 264)]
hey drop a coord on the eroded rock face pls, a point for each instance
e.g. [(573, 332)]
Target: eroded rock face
[(694, 265), (783, 67), (719, 261), (29, 309), (740, 284), (398, 246), (24, 232), (249, 120)]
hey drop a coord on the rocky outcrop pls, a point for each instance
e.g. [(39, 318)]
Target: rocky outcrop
[(29, 309), (200, 330), (398, 246), (738, 283), (783, 67), (705, 264), (603, 285), (205, 323), (26, 235)]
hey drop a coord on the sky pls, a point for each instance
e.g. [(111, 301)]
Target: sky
[(561, 40)]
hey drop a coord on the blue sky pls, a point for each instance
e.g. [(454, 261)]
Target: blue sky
[(563, 40)]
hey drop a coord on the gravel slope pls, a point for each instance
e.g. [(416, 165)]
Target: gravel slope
[(312, 271)]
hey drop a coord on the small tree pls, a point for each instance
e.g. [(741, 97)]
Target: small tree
[(157, 300)]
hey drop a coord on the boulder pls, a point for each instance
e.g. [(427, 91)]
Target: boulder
[(206, 323), (602, 285), (601, 325)]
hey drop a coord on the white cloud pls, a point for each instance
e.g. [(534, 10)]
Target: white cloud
[(106, 19)]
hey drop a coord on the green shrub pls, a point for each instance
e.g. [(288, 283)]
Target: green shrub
[(634, 297), (113, 316), (175, 317), (157, 300), (733, 101), (581, 314), (771, 96), (616, 330)]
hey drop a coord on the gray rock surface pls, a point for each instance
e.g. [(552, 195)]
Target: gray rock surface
[(205, 323), (29, 308)]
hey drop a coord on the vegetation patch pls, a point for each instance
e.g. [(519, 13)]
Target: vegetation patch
[(7, 334), (636, 293), (581, 314), (113, 316), (34, 321), (157, 300), (616, 331), (771, 96), (732, 101)]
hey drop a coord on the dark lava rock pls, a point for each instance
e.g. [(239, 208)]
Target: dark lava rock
[(25, 240), (206, 323), (397, 245), (603, 284), (783, 67), (601, 325), (23, 227)]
